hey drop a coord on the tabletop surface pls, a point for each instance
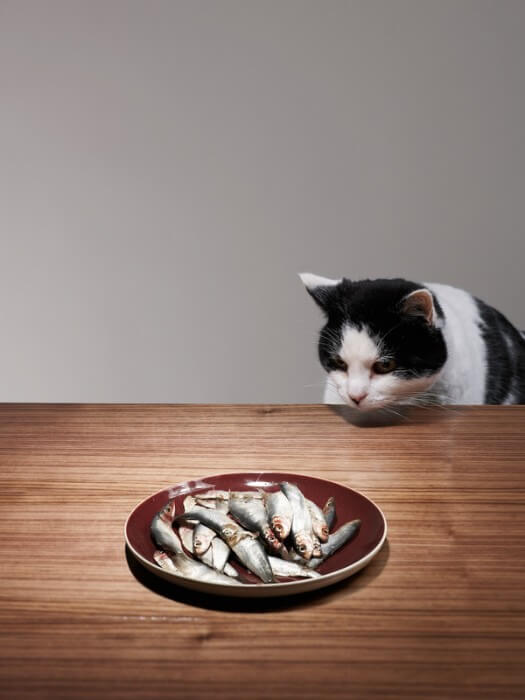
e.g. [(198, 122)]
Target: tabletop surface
[(439, 613)]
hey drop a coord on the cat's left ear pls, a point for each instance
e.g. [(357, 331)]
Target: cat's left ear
[(420, 303), (319, 288)]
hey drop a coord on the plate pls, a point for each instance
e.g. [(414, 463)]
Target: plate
[(346, 561)]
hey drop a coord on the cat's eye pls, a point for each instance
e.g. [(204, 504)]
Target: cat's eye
[(338, 363), (384, 366)]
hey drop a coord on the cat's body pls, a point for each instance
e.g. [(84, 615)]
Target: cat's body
[(399, 342)]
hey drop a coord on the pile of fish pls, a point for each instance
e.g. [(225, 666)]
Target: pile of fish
[(275, 535)]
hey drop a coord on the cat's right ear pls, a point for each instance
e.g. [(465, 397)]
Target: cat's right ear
[(319, 288)]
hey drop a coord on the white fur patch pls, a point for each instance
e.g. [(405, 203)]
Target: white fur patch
[(463, 377)]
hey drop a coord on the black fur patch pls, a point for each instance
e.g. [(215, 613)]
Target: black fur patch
[(505, 357), (417, 348)]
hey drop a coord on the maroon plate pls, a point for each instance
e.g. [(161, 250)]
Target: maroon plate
[(349, 505)]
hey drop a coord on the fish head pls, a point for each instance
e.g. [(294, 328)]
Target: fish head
[(304, 544), (230, 533), (271, 540), (199, 546), (282, 526), (324, 532), (167, 514)]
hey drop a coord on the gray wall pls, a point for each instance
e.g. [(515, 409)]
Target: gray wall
[(166, 168)]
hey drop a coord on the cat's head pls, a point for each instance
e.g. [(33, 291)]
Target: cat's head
[(382, 342)]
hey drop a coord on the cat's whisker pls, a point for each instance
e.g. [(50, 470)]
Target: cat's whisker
[(388, 409)]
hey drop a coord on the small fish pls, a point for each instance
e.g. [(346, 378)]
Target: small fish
[(214, 503), (319, 524), (218, 495), (302, 522), (186, 536), (188, 503), (202, 535), (316, 551), (184, 566), (202, 539), (162, 529), (281, 568), (216, 556), (252, 515), (336, 540), (329, 512), (164, 561), (230, 570), (252, 554), (223, 506), (220, 553), (280, 513), (244, 544), (213, 495)]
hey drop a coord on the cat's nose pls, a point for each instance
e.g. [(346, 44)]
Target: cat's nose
[(357, 398)]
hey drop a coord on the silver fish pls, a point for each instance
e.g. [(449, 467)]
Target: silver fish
[(252, 554), (213, 494), (230, 570), (184, 566), (186, 536), (245, 546), (302, 522), (202, 535), (188, 503), (319, 524), (202, 538), (280, 513), (252, 515), (225, 495), (215, 557), (164, 561), (220, 553), (162, 529), (223, 506), (216, 503), (329, 512), (281, 568), (336, 540)]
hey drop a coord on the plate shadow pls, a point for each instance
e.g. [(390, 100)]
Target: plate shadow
[(232, 604)]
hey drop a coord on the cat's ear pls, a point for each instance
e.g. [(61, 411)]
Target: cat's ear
[(319, 288), (420, 303)]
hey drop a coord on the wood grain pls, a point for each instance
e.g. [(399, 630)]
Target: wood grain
[(438, 614)]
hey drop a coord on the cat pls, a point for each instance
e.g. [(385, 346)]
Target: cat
[(392, 341)]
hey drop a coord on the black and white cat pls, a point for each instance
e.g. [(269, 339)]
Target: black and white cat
[(391, 341)]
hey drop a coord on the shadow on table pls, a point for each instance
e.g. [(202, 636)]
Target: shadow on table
[(348, 586), (401, 415)]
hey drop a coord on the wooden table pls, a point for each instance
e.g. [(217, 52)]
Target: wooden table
[(439, 613)]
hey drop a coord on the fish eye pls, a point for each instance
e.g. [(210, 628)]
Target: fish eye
[(337, 363), (387, 364)]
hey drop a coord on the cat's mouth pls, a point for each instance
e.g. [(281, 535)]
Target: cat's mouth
[(366, 404)]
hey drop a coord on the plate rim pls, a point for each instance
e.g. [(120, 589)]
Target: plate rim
[(258, 589)]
